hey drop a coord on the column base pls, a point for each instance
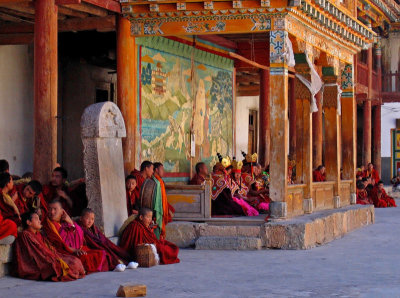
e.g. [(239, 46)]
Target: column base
[(336, 202), (278, 209), (308, 205), (353, 199)]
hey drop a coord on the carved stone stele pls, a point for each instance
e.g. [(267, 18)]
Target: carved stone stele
[(102, 128)]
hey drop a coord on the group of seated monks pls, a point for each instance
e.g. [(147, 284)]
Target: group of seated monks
[(238, 187), (51, 243), (370, 189)]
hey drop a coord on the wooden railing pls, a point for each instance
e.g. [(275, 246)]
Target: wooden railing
[(362, 74), (391, 82)]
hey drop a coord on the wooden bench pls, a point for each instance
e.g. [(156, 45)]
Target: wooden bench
[(190, 201)]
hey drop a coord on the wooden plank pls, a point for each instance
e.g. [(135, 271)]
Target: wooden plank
[(14, 39), (27, 8), (90, 9), (111, 5), (71, 12), (219, 40), (65, 2), (247, 61), (17, 15), (13, 1)]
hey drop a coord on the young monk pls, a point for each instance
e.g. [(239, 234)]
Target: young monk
[(68, 238), (146, 172), (380, 198), (34, 258), (201, 174), (95, 239), (30, 198), (8, 207), (362, 195), (132, 202), (319, 174), (139, 232)]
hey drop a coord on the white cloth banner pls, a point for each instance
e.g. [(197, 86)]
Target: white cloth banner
[(314, 86)]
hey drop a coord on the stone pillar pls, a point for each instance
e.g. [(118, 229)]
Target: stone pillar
[(126, 89), (349, 124), (332, 137), (292, 119), (264, 132), (317, 132), (45, 89), (102, 128), (279, 124)]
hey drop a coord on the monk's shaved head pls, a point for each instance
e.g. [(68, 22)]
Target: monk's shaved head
[(144, 211), (55, 201)]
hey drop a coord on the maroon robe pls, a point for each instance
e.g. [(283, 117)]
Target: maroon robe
[(318, 176), (50, 193), (363, 198), (382, 200), (139, 182), (95, 239), (7, 211), (7, 227), (136, 233), (197, 180), (29, 205), (35, 259), (132, 202)]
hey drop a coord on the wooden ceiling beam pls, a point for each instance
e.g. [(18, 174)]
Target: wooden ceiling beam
[(65, 2), (13, 1), (71, 12), (26, 7), (111, 5), (90, 9), (14, 39)]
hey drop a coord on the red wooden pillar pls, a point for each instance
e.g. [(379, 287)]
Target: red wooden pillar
[(317, 132), (377, 139), (292, 119), (45, 89), (367, 134), (126, 89), (265, 126)]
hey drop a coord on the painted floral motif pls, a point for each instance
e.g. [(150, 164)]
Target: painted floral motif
[(260, 23), (204, 27), (347, 77), (152, 28), (277, 46)]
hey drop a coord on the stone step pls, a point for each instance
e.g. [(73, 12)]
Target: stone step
[(228, 243), (230, 231)]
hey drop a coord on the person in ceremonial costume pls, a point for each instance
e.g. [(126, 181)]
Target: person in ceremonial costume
[(240, 190), (95, 239), (380, 198), (146, 172), (8, 207), (139, 232), (132, 201), (222, 202), (30, 198), (36, 259), (319, 174), (249, 161), (372, 174), (162, 209), (68, 238), (201, 174), (362, 195)]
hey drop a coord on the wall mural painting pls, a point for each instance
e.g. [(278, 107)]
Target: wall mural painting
[(179, 96)]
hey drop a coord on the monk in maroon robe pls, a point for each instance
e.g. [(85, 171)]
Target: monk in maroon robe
[(380, 198), (7, 228), (132, 201), (139, 232), (372, 174), (95, 239), (68, 238), (319, 174), (30, 198), (34, 258), (146, 172), (8, 206), (362, 195), (201, 174)]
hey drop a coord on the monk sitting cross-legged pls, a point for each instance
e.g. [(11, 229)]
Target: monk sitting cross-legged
[(95, 239), (34, 258), (68, 238), (380, 198), (139, 232)]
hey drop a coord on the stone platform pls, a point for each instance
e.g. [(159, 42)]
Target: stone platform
[(5, 259), (303, 232)]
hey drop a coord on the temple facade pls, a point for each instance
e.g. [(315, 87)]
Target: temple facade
[(301, 83)]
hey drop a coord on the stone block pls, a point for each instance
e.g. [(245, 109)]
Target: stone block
[(336, 202), (221, 231), (5, 253), (278, 209), (275, 236), (183, 234), (248, 231), (353, 199), (228, 243), (308, 205), (128, 290), (4, 269)]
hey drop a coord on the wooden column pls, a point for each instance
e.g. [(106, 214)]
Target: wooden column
[(45, 89), (377, 139), (317, 132), (367, 115), (279, 125), (292, 119), (126, 89), (265, 125)]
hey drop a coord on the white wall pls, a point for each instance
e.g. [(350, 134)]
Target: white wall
[(390, 112), (243, 105), (16, 107)]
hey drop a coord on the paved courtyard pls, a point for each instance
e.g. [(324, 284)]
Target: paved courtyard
[(365, 263)]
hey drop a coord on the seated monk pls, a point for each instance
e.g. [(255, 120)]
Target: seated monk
[(362, 195), (30, 198), (132, 202), (380, 198), (8, 230), (222, 202), (57, 189), (34, 257), (8, 207), (68, 238), (319, 174), (201, 174), (372, 174), (95, 239), (139, 232), (360, 171), (146, 172)]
